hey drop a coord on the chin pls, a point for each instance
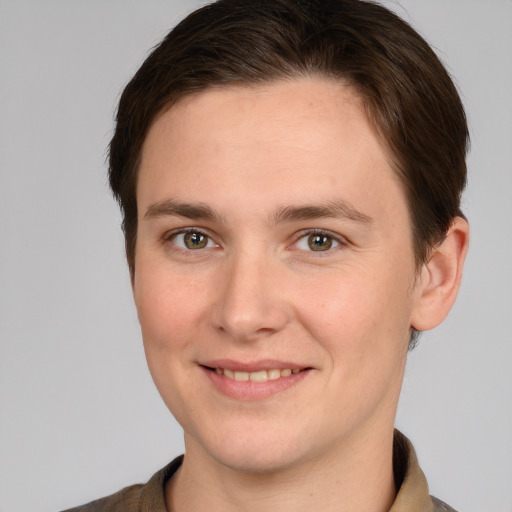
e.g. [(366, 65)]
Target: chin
[(262, 452), (258, 460)]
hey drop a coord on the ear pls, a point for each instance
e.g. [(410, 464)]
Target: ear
[(440, 278)]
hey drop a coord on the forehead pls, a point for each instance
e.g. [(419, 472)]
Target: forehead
[(289, 139), (304, 112)]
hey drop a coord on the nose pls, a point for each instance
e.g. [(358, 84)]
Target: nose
[(251, 301)]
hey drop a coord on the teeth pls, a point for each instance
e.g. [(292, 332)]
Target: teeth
[(274, 374), (259, 376)]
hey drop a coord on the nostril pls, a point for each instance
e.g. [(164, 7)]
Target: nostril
[(265, 331)]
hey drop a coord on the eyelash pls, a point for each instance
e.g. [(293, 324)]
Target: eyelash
[(338, 240)]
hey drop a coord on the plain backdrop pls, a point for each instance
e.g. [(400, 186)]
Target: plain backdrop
[(79, 415)]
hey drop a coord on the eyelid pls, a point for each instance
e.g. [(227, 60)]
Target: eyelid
[(188, 229)]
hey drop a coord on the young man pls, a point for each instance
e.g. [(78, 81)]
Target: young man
[(290, 175)]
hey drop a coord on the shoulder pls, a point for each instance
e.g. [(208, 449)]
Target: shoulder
[(149, 497), (125, 500), (441, 506)]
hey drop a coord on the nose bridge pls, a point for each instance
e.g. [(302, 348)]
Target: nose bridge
[(250, 304)]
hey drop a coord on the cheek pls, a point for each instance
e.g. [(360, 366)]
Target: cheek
[(169, 309), (361, 317), (364, 331), (169, 314)]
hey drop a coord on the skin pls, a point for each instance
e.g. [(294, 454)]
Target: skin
[(252, 159)]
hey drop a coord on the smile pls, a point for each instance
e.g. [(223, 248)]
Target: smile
[(257, 376), (256, 381)]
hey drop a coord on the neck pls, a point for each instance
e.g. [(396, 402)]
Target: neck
[(358, 478)]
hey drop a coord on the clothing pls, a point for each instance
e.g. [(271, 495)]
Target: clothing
[(413, 495)]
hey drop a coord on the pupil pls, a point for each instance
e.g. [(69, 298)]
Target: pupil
[(320, 242), (195, 240)]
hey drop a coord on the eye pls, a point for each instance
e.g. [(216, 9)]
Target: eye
[(192, 240), (318, 241)]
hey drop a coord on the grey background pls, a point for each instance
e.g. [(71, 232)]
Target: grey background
[(79, 415)]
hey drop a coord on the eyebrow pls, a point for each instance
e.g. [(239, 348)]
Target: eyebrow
[(332, 209), (169, 207)]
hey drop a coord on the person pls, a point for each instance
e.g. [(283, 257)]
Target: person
[(289, 174)]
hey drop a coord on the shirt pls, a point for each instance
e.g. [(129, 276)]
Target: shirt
[(413, 494)]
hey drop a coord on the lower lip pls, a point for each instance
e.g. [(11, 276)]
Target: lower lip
[(248, 390)]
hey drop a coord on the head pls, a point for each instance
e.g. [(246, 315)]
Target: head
[(289, 174), (408, 95)]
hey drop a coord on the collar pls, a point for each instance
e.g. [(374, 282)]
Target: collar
[(413, 494)]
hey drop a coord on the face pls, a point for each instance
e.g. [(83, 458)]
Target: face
[(274, 272)]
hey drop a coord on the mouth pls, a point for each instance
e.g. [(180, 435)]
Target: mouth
[(255, 381)]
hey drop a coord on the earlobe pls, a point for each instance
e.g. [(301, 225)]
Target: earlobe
[(440, 278)]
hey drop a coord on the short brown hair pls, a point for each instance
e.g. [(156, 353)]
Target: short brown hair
[(408, 94)]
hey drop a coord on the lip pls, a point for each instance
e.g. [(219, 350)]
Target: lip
[(249, 390), (265, 364)]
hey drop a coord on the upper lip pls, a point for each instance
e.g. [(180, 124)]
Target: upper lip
[(253, 366)]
